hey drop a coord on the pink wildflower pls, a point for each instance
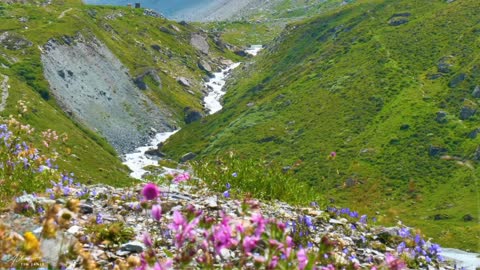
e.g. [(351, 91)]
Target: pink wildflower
[(302, 259), (260, 221), (394, 263), (273, 263), (157, 212), (163, 265), (183, 177), (250, 243), (147, 240), (150, 191)]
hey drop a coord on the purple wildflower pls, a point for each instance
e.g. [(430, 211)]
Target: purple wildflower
[(99, 218)]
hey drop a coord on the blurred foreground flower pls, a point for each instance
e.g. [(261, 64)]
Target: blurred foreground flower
[(150, 191)]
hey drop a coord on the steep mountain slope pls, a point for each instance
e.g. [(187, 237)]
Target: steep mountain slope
[(103, 76), (391, 87)]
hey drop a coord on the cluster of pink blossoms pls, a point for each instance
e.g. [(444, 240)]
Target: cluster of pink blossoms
[(202, 239)]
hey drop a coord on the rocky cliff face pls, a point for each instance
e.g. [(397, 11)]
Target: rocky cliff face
[(94, 88)]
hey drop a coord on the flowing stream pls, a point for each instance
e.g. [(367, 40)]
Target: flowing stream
[(467, 260), (138, 160)]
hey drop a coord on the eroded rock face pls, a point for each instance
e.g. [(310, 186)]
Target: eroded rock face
[(91, 83)]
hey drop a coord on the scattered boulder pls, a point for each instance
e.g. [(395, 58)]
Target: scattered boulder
[(441, 117), (174, 27), (203, 65), (152, 13), (166, 30), (155, 152), (476, 155), (476, 92), (86, 208), (241, 53), (399, 18), (468, 217), (397, 21), (183, 81), (53, 248), (192, 115), (140, 79), (433, 77), (436, 150), (444, 65), (457, 80), (474, 133), (156, 47), (441, 217), (187, 157), (467, 112), (200, 43), (134, 246), (350, 182), (140, 83)]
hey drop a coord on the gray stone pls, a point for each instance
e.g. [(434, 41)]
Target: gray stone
[(183, 81), (192, 115), (74, 229), (436, 150), (174, 27), (155, 152), (468, 217), (53, 248), (200, 43), (444, 66), (434, 76), (467, 112), (350, 182), (152, 73), (457, 80), (27, 199), (134, 246), (476, 155), (397, 21), (441, 117), (86, 208), (211, 202), (187, 157), (166, 30), (474, 133), (476, 92), (203, 65), (441, 217)]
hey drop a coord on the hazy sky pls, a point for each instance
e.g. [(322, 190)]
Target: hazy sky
[(166, 7)]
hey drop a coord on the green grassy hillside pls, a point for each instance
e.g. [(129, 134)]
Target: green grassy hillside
[(140, 42), (370, 81)]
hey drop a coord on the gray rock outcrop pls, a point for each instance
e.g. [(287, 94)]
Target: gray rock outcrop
[(200, 43), (476, 92), (91, 83), (467, 112)]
